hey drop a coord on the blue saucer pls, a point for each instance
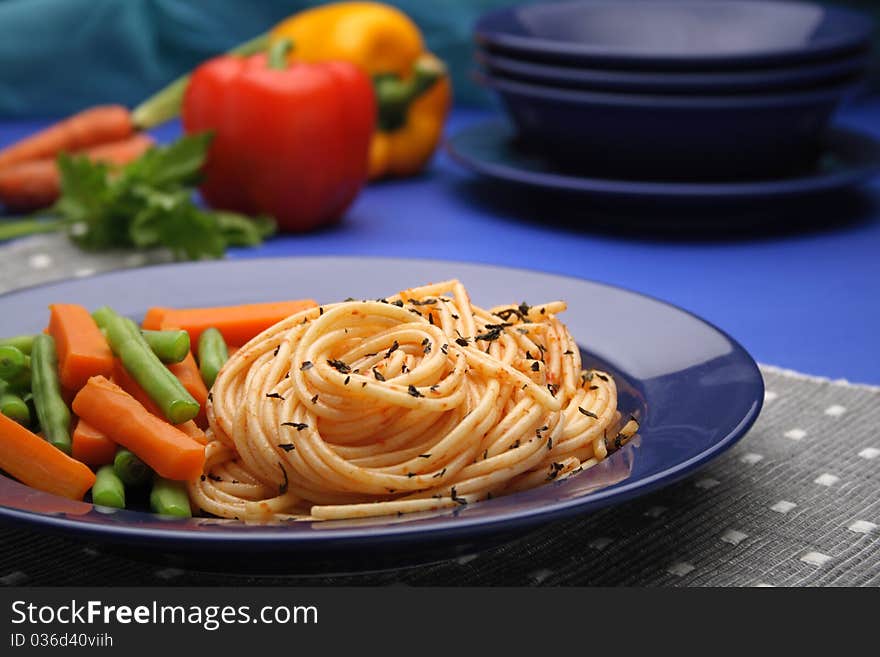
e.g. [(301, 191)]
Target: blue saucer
[(674, 34), (694, 388), (490, 148), (634, 81)]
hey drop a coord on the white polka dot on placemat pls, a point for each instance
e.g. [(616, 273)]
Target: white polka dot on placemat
[(764, 585), (600, 543), (869, 453), (826, 479), (135, 260), (656, 511), (770, 396), (733, 536), (83, 272), (751, 458), (795, 434), (707, 483), (169, 573), (540, 575), (15, 578), (680, 568), (466, 558), (783, 506), (815, 558), (40, 261), (835, 410), (862, 527)]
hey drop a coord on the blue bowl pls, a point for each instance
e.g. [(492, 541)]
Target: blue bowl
[(771, 80), (675, 34), (667, 137)]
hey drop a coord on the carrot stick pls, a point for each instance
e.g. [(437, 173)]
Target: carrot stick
[(37, 183), (96, 125), (162, 446), (83, 351), (238, 324), (153, 318), (191, 429), (187, 372), (91, 446), (126, 381), (37, 464)]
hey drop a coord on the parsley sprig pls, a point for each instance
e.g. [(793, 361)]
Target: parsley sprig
[(146, 204)]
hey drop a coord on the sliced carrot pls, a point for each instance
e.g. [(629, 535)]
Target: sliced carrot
[(192, 430), (37, 183), (37, 464), (187, 372), (162, 446), (238, 324), (91, 446), (153, 318), (96, 125), (126, 381), (83, 351)]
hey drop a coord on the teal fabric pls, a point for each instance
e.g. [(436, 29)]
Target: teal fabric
[(57, 56)]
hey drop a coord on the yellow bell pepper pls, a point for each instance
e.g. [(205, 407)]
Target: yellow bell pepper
[(412, 86)]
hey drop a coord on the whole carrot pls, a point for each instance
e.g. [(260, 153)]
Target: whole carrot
[(96, 125), (37, 183)]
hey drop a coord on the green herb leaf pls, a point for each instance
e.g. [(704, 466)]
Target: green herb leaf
[(146, 204)]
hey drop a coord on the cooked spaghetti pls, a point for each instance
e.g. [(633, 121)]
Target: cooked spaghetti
[(415, 402)]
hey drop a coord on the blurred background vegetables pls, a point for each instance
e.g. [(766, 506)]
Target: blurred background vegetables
[(290, 140), (413, 90), (300, 117), (146, 204)]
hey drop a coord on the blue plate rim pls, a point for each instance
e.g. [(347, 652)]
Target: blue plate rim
[(777, 188), (821, 94), (859, 38), (572, 75), (440, 527)]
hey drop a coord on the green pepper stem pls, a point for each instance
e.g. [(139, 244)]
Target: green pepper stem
[(278, 51), (394, 96), (165, 104), (11, 229)]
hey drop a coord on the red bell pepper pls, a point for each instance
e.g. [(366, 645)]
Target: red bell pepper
[(289, 141)]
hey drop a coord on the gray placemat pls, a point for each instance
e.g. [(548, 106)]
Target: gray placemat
[(795, 503)]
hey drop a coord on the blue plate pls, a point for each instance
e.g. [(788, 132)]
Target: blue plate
[(674, 34), (705, 82), (687, 137), (695, 389), (490, 148)]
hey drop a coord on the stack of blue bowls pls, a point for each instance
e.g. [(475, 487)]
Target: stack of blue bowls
[(674, 89)]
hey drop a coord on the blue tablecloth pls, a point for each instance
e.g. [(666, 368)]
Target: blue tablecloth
[(806, 299)]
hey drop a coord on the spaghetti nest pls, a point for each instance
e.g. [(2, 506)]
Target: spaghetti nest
[(415, 402)]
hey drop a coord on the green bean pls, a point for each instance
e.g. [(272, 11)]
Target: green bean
[(21, 384), (169, 346), (23, 343), (15, 408), (130, 469), (13, 361), (108, 489), (170, 498), (212, 355), (52, 412), (145, 367)]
